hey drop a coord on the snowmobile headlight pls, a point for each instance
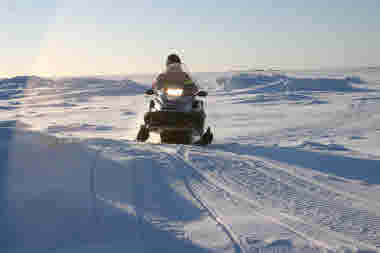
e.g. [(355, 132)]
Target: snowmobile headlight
[(174, 92)]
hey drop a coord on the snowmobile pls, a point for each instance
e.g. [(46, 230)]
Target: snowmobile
[(176, 115)]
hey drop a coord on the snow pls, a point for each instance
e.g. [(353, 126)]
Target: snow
[(295, 166)]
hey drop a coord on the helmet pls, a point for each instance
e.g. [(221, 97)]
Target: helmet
[(173, 58)]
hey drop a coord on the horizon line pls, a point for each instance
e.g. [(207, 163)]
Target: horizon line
[(253, 69)]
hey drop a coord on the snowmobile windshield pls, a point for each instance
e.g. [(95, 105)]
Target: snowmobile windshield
[(176, 80), (176, 67)]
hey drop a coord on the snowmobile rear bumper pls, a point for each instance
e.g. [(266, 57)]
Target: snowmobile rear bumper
[(165, 120)]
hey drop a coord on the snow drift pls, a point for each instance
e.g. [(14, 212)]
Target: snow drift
[(26, 86), (51, 198)]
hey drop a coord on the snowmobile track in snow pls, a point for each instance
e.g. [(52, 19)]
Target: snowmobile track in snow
[(212, 213)]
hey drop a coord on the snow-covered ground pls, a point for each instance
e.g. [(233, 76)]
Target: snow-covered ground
[(295, 166)]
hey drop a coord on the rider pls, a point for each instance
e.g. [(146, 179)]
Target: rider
[(174, 74)]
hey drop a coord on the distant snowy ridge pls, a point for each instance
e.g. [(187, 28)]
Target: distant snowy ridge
[(12, 88), (20, 82), (277, 82), (24, 82)]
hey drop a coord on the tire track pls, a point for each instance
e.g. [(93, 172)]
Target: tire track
[(225, 227), (211, 212)]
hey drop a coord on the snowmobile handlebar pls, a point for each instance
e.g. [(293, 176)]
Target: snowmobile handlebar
[(149, 92), (201, 93)]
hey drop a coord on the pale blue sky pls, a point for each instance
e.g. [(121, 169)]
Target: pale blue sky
[(79, 37)]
